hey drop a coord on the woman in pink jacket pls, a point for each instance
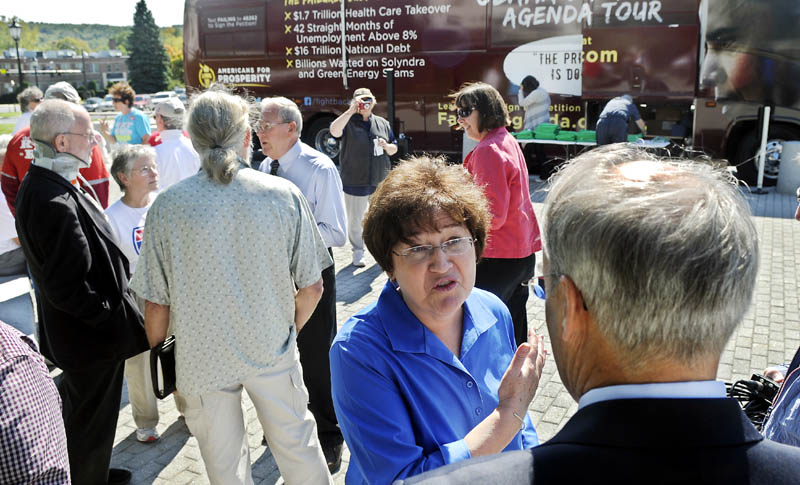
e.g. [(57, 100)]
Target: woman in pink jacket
[(497, 164)]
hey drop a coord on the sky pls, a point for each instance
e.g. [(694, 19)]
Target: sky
[(115, 12)]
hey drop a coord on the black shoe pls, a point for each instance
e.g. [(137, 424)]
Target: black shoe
[(333, 456), (118, 476)]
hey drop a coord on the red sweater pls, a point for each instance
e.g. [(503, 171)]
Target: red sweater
[(498, 165), (19, 156)]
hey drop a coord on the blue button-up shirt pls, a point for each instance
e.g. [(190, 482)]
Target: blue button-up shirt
[(403, 400), (318, 179)]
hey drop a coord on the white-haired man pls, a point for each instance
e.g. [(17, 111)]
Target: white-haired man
[(175, 156), (317, 178), (649, 267), (89, 322), (235, 313)]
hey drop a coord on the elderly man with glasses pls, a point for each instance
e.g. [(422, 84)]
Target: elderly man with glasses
[(650, 265), (89, 320)]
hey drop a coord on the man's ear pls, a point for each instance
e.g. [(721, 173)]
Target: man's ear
[(576, 316), (60, 143)]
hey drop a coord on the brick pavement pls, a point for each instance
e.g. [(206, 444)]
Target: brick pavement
[(769, 334)]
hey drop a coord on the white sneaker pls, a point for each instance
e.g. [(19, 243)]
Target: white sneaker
[(146, 435), (358, 259)]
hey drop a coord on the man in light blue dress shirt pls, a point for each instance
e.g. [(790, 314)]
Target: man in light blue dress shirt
[(649, 266), (318, 179)]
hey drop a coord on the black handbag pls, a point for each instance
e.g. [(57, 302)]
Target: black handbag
[(162, 367)]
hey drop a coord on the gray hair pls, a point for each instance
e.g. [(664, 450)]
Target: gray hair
[(287, 110), (172, 122), (4, 139), (218, 123), (124, 158), (27, 95), (52, 117), (666, 261)]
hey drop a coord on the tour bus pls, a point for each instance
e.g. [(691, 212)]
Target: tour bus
[(583, 52)]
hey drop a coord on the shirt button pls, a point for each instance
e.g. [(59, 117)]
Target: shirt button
[(469, 384), (478, 411)]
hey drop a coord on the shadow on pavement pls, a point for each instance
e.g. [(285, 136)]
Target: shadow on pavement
[(358, 284), (146, 460)]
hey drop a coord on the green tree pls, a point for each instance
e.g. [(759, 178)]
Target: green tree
[(71, 43), (120, 41), (28, 39), (147, 64)]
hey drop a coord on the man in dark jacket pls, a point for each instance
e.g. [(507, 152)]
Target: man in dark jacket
[(642, 297), (367, 142), (89, 321)]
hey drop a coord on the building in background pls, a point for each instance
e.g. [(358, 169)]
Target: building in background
[(43, 68)]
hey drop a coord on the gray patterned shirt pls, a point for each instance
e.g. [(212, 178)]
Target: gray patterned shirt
[(226, 259)]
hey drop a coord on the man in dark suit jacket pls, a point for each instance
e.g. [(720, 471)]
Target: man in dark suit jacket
[(649, 266), (89, 320)]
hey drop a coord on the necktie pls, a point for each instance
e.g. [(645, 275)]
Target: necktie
[(273, 167)]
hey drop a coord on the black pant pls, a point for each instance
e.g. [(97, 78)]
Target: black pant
[(535, 158), (314, 343), (504, 278), (612, 129), (91, 400)]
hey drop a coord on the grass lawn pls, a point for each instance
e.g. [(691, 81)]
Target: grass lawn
[(10, 115), (6, 128)]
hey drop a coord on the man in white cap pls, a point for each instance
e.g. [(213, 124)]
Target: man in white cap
[(19, 156), (175, 156), (366, 143)]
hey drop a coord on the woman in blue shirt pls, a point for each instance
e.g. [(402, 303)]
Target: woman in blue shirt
[(131, 126), (430, 373)]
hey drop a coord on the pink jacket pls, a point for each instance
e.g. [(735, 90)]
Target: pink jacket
[(498, 165)]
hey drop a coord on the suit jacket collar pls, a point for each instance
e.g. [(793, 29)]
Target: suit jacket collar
[(96, 214), (659, 423)]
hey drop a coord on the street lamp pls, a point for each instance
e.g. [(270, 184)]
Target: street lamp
[(16, 31), (83, 61)]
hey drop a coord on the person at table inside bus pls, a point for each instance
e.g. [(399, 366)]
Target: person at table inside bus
[(497, 164), (612, 127), (367, 142), (536, 102), (131, 126), (430, 373)]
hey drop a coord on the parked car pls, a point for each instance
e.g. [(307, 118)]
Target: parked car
[(142, 101), (180, 91), (91, 104), (161, 96), (106, 104)]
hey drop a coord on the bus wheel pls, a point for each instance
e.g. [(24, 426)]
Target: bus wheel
[(746, 156), (319, 136)]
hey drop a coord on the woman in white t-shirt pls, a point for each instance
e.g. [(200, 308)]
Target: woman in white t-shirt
[(134, 169)]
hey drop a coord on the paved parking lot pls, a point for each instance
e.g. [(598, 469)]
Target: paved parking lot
[(770, 334)]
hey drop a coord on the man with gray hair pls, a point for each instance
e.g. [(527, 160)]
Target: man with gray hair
[(235, 314), (28, 100), (175, 156), (89, 323), (19, 156), (649, 265), (318, 179)]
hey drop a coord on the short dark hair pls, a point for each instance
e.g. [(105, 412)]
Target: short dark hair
[(123, 91), (529, 84), (409, 199), (492, 111)]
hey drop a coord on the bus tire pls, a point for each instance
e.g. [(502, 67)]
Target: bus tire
[(319, 137), (746, 155)]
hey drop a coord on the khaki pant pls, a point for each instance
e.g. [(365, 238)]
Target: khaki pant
[(216, 419), (144, 405), (355, 206)]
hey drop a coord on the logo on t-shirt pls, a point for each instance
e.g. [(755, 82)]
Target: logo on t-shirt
[(138, 237)]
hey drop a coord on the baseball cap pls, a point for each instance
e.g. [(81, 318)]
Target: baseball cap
[(170, 107), (62, 90), (362, 92)]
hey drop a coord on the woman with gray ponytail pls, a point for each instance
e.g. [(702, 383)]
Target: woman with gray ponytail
[(235, 313), (219, 126)]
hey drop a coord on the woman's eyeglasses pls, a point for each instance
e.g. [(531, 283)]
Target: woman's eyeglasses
[(453, 247), (464, 112)]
